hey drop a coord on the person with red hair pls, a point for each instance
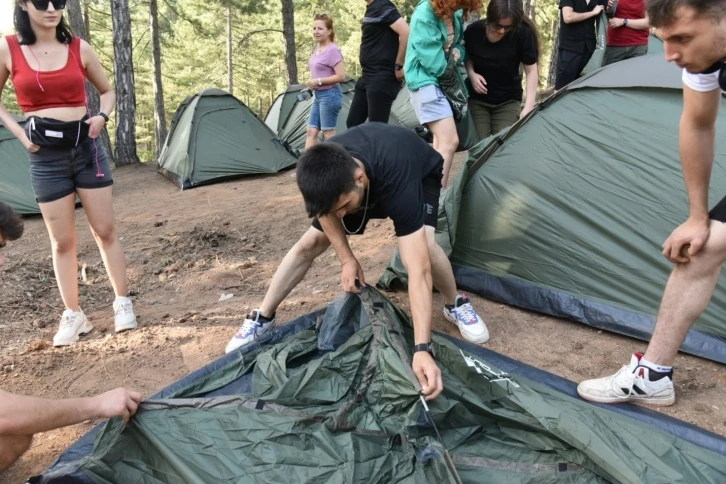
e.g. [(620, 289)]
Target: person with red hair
[(437, 31)]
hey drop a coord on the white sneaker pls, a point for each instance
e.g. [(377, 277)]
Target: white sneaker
[(633, 383), (463, 315), (124, 318), (253, 327), (73, 324)]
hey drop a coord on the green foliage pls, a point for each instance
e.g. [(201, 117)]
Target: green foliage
[(194, 49)]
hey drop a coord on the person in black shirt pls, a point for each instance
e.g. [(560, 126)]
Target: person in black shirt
[(382, 52), (374, 171), (496, 47), (577, 38)]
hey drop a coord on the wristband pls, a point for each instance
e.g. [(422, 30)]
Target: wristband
[(104, 116)]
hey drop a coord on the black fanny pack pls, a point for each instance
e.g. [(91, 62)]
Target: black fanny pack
[(55, 134)]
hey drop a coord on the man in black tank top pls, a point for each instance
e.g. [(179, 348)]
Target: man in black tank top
[(374, 171)]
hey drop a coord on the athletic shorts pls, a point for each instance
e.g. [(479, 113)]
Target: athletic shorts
[(431, 192), (55, 174)]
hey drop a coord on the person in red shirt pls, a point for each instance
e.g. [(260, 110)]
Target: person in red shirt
[(628, 31)]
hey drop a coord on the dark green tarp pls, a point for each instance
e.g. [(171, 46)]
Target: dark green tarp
[(15, 188), (214, 137), (336, 401), (566, 212)]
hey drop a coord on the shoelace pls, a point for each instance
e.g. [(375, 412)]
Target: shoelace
[(467, 312), (247, 327), (66, 321), (625, 378), (124, 308)]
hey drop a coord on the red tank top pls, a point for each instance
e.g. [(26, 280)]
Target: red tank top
[(37, 90)]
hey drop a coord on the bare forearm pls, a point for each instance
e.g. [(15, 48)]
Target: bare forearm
[(108, 102), (638, 24), (8, 120), (697, 153), (23, 415), (419, 292), (334, 230), (334, 79), (575, 17), (402, 44), (532, 75)]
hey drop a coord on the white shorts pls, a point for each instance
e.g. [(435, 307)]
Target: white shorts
[(430, 104)]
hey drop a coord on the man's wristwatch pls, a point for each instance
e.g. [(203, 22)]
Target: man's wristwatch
[(104, 116), (399, 67), (424, 347), (625, 22)]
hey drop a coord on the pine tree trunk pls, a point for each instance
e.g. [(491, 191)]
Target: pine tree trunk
[(555, 49), (79, 28), (230, 65), (288, 31), (123, 69), (85, 19), (159, 112)]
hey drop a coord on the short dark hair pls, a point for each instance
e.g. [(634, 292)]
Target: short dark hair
[(662, 13), (25, 29), (324, 173), (11, 225)]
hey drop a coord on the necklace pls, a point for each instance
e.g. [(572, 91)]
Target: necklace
[(365, 211)]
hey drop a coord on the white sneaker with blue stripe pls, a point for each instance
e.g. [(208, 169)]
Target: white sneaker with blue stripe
[(462, 314), (254, 326)]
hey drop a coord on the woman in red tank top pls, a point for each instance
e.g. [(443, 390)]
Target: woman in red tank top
[(48, 68)]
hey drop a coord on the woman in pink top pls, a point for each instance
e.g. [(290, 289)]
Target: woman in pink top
[(327, 71)]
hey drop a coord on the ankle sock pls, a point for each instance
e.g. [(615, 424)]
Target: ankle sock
[(654, 367)]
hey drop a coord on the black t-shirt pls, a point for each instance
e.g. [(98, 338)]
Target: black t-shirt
[(498, 62), (379, 42), (396, 160), (579, 36)]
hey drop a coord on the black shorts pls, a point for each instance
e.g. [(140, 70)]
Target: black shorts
[(431, 192), (718, 212)]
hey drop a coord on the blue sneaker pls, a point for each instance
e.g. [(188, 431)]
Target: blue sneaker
[(462, 314), (254, 326)]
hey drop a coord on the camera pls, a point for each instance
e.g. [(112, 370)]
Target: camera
[(304, 95)]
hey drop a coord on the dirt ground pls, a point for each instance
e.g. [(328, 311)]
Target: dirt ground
[(186, 249)]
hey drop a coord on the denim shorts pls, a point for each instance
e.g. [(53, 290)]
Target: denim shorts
[(55, 174), (430, 104), (327, 104)]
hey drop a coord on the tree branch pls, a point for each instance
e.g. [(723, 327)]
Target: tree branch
[(250, 34)]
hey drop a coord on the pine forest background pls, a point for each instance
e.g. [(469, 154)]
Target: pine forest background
[(243, 46)]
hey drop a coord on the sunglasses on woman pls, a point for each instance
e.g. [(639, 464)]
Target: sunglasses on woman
[(319, 16), (43, 4)]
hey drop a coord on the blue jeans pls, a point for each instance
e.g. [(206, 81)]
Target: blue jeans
[(326, 107)]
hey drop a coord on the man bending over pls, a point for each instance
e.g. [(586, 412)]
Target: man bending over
[(374, 171)]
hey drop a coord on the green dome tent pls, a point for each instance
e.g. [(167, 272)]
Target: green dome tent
[(214, 137), (15, 188), (566, 212)]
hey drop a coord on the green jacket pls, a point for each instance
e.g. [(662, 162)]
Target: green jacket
[(425, 57)]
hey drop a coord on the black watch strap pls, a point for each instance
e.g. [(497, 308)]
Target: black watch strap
[(399, 67), (424, 347), (103, 115)]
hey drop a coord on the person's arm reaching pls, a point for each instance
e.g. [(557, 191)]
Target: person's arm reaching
[(532, 78), (570, 17), (401, 28), (350, 269), (415, 256), (23, 415), (97, 77), (697, 137)]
